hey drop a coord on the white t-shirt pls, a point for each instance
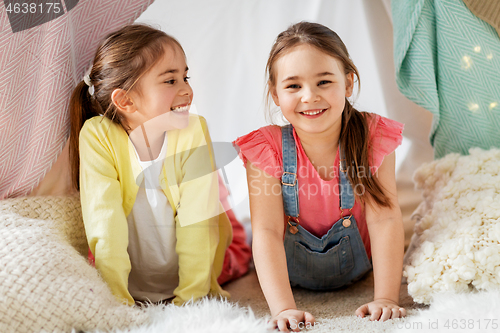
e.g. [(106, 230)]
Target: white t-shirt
[(152, 239)]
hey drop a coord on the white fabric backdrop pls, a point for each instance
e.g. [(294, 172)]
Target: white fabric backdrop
[(227, 43)]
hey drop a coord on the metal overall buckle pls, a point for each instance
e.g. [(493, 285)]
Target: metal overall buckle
[(293, 228), (294, 179), (346, 221)]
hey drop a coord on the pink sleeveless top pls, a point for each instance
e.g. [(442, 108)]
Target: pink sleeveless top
[(319, 199)]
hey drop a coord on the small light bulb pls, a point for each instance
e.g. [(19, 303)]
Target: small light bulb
[(493, 105), (477, 49), (466, 62), (489, 56), (473, 107)]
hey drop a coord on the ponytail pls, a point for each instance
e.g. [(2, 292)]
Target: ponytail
[(354, 140), (80, 109)]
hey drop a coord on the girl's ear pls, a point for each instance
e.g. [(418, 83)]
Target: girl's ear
[(274, 95), (349, 84), (123, 101)]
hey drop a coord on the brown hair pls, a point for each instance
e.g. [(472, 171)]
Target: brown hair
[(354, 128), (120, 61)]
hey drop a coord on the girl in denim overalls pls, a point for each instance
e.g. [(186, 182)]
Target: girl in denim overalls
[(325, 183)]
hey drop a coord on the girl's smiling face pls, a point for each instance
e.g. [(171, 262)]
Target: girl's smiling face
[(311, 88), (163, 91)]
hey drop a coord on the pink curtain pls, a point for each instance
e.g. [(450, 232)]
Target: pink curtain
[(40, 64)]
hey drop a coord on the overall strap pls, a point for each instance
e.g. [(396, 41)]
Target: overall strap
[(346, 197), (289, 181)]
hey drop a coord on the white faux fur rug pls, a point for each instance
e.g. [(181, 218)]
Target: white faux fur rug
[(220, 316), (207, 315), (247, 311), (471, 312), (468, 312)]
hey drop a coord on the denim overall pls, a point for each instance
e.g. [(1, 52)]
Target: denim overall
[(334, 260)]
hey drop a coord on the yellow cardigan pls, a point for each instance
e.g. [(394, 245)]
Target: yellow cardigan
[(109, 178)]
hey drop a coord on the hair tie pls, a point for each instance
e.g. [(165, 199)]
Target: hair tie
[(87, 81)]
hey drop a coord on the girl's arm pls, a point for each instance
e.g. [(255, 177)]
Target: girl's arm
[(266, 210), (103, 216), (197, 247), (385, 227), (203, 230)]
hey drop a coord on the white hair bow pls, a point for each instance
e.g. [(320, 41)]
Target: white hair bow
[(87, 81)]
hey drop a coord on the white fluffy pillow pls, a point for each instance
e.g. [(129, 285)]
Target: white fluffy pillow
[(45, 284), (456, 244)]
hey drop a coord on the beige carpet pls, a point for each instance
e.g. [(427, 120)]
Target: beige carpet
[(323, 305)]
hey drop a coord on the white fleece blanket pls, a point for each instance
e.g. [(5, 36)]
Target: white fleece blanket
[(456, 244)]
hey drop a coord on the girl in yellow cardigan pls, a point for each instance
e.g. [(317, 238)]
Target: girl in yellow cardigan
[(146, 174)]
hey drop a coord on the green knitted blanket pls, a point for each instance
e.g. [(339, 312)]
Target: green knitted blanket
[(448, 61)]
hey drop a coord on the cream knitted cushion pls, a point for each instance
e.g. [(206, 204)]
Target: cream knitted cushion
[(45, 284), (456, 244)]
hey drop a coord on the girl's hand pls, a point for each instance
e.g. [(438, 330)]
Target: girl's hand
[(381, 309), (292, 319)]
